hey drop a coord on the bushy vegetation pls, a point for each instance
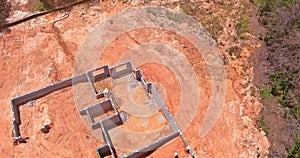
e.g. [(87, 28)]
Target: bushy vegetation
[(262, 125), (4, 11), (242, 27), (214, 17), (264, 93), (281, 60), (44, 5), (282, 19), (211, 22), (272, 5), (281, 88), (295, 151), (39, 7)]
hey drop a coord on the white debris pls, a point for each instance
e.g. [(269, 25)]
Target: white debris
[(30, 103), (17, 15)]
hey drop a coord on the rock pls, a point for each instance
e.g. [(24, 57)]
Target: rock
[(45, 128)]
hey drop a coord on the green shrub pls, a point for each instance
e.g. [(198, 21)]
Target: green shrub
[(281, 88), (272, 5), (295, 151), (40, 6), (264, 93), (263, 125), (296, 111), (242, 27)]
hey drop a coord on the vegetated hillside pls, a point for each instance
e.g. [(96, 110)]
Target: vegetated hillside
[(280, 67), (234, 135), (4, 11)]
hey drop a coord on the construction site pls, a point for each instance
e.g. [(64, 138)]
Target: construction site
[(141, 97), (144, 79)]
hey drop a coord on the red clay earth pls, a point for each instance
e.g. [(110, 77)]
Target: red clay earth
[(33, 55)]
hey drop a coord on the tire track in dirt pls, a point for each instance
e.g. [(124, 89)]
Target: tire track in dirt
[(60, 40)]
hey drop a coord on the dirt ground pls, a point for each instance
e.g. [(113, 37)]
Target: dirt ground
[(33, 55)]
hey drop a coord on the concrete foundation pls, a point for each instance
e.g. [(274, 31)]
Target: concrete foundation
[(103, 107)]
